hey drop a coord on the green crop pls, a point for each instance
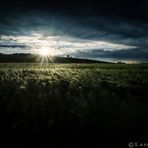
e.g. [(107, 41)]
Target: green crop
[(68, 99)]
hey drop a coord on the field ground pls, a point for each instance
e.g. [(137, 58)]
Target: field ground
[(73, 104)]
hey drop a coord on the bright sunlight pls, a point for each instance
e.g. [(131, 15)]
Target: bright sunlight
[(44, 52), (45, 56)]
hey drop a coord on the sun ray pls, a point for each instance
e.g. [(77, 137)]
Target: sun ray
[(45, 57)]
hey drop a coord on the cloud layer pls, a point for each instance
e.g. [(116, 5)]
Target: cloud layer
[(87, 37)]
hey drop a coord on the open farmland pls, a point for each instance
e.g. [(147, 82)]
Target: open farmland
[(73, 104)]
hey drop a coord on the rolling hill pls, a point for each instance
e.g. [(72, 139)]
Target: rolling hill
[(33, 58)]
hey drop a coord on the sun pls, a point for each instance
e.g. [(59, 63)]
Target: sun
[(44, 52), (45, 56)]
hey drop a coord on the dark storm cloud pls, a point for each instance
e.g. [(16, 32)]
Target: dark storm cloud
[(135, 54), (103, 28), (13, 46), (131, 54)]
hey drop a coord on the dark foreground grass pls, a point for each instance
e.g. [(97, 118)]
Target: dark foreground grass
[(73, 105)]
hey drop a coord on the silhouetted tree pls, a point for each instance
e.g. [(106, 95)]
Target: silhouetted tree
[(68, 56)]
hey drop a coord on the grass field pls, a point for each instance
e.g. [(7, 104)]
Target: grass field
[(73, 104)]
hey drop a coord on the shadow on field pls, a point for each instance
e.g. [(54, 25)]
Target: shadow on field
[(73, 107)]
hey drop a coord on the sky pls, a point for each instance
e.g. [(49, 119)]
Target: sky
[(112, 30)]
